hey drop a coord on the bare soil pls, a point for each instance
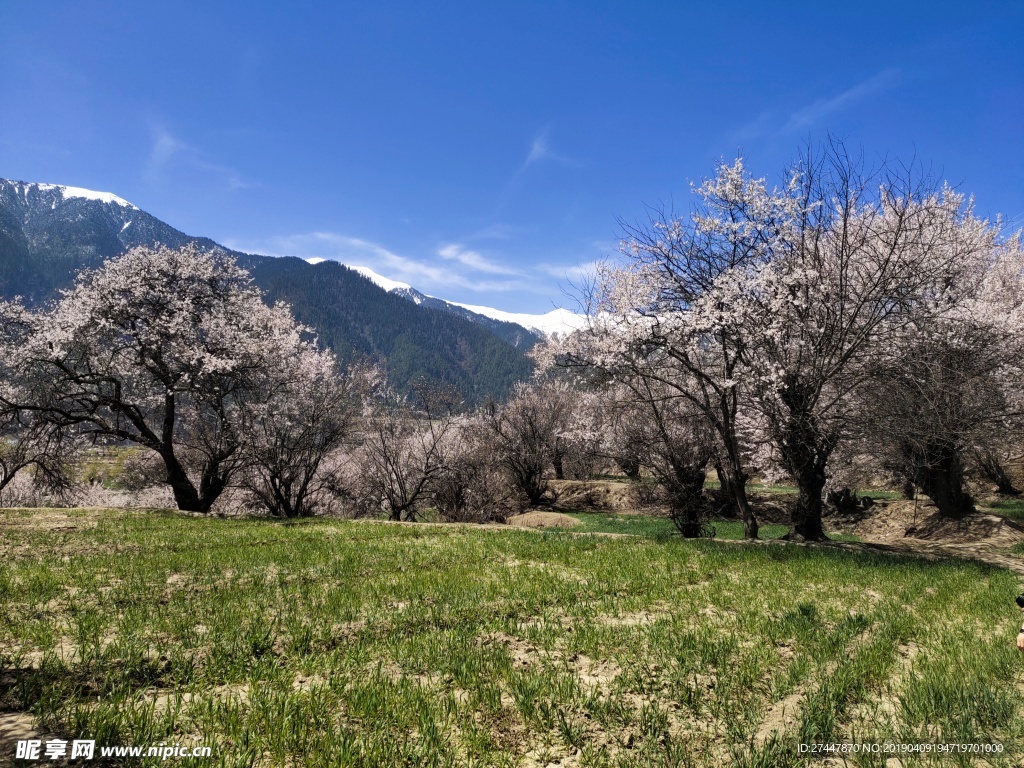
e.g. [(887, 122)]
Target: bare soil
[(889, 521), (915, 527), (544, 520), (594, 494)]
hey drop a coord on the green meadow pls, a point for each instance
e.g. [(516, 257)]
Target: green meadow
[(336, 643)]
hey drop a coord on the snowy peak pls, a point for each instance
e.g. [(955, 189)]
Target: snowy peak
[(404, 290), (66, 193), (560, 321), (383, 282)]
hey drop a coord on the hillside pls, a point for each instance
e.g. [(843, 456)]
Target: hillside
[(519, 329), (48, 233), (354, 317)]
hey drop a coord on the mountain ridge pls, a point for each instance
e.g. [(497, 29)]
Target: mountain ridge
[(48, 233), (539, 325)]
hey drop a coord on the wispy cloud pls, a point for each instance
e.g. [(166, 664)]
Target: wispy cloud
[(423, 274), (814, 113), (496, 231), (169, 153), (541, 151), (571, 272), (473, 260), (770, 123)]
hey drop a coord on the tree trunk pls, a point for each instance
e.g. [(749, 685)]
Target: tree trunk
[(211, 486), (185, 494), (941, 477), (992, 468), (630, 467), (750, 526), (725, 497), (806, 516), (557, 462), (805, 452), (535, 488), (736, 480), (687, 506)]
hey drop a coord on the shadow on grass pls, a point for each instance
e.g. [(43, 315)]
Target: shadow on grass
[(662, 528)]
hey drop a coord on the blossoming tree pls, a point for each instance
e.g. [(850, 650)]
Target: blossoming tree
[(165, 349), (863, 257), (767, 307)]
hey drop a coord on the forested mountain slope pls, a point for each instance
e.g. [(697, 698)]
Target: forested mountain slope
[(48, 233)]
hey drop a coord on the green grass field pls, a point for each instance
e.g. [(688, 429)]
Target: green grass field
[(663, 527), (327, 643), (1011, 508)]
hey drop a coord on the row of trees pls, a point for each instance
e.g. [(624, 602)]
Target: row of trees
[(845, 317), (174, 351), (845, 325)]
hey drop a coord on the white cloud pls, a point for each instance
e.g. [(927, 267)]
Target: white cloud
[(164, 148), (169, 153), (769, 124), (540, 150), (473, 260), (814, 113), (353, 251)]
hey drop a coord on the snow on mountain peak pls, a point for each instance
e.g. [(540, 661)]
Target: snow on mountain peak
[(383, 282), (556, 321), (560, 321), (79, 192)]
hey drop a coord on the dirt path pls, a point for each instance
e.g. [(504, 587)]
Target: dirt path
[(915, 528), (936, 551)]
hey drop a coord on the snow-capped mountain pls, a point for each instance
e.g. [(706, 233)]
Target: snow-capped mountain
[(49, 233), (383, 282), (560, 321), (66, 193)]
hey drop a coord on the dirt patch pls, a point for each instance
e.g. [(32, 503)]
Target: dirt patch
[(596, 673), (594, 494), (637, 619), (881, 709), (915, 527), (306, 682), (544, 520), (780, 718), (164, 698), (523, 652), (49, 519), (981, 527), (16, 726), (892, 521)]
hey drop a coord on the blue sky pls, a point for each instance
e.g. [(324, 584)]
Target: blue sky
[(484, 151)]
